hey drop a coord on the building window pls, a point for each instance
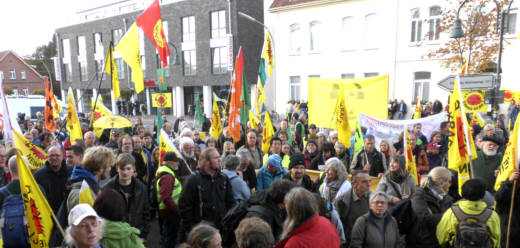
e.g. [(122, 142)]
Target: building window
[(117, 34), (510, 20), (219, 58), (66, 48), (372, 34), (23, 75), (68, 73), (348, 75), (294, 85), (421, 85), (347, 33), (218, 24), (315, 35), (83, 73), (15, 91), (188, 28), (99, 69), (296, 38), (82, 46), (25, 91), (12, 74), (416, 25), (98, 43), (120, 68), (190, 62), (371, 74), (434, 23)]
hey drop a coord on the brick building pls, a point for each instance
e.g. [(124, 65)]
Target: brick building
[(18, 75)]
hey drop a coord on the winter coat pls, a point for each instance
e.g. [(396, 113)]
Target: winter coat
[(137, 205), (448, 226), (264, 178), (74, 185), (366, 234), (375, 159), (503, 204), (216, 195), (484, 167), (241, 191), (119, 234), (315, 233), (307, 182), (429, 212), (389, 187), (53, 183)]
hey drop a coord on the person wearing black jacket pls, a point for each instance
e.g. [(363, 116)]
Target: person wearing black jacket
[(135, 193), (126, 145), (247, 168), (297, 173), (369, 159), (327, 151), (206, 195), (503, 205)]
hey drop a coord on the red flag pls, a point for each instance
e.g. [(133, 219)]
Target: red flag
[(151, 24), (49, 116), (236, 93)]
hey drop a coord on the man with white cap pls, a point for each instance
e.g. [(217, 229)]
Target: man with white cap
[(85, 227)]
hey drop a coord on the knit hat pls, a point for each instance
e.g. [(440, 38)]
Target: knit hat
[(275, 160), (297, 159), (313, 141), (111, 205)]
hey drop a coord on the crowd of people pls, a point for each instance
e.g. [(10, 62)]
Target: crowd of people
[(221, 193)]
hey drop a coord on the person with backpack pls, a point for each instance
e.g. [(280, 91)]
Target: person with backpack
[(206, 195), (469, 222), (135, 194), (377, 228), (167, 190), (14, 229), (241, 191), (429, 202), (397, 183)]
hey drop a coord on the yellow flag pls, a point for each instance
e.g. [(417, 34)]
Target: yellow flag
[(477, 119), (253, 121), (417, 113), (461, 147), (267, 133), (340, 120), (111, 69), (261, 93), (34, 154), (56, 107), (511, 157), (216, 122), (128, 48), (73, 125), (85, 194), (267, 54), (411, 166), (162, 100), (37, 209), (166, 145), (99, 112)]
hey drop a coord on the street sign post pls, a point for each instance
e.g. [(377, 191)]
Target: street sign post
[(469, 82)]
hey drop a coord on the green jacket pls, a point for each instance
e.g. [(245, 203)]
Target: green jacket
[(120, 234), (447, 227), (484, 167)]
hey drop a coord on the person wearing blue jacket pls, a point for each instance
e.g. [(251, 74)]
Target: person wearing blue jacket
[(270, 171)]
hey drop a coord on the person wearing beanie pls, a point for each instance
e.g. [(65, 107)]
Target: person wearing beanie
[(327, 151), (311, 152), (272, 170), (111, 206), (297, 173), (473, 191)]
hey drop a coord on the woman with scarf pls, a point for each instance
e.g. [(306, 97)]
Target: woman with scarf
[(335, 182), (397, 183), (386, 149), (429, 203)]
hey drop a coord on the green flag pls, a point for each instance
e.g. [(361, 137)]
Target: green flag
[(359, 142), (198, 109), (159, 124), (246, 102), (162, 82)]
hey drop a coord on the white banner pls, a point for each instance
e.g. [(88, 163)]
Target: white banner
[(391, 129)]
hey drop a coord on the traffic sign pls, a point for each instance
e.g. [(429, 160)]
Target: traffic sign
[(469, 82)]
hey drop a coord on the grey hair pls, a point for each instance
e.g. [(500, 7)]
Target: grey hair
[(333, 133), (243, 154), (69, 240), (338, 166), (378, 193), (489, 126), (231, 162), (13, 165), (438, 176), (185, 140)]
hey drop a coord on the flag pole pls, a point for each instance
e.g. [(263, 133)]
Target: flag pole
[(511, 214), (99, 88), (58, 224)]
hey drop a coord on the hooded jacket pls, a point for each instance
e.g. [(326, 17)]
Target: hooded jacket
[(447, 227), (74, 184), (264, 178), (119, 234)]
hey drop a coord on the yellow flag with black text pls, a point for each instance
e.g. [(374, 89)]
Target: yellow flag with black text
[(511, 157), (166, 145), (34, 154), (411, 165), (267, 133), (37, 209), (253, 121), (111, 69), (73, 125), (216, 122), (340, 120), (128, 48)]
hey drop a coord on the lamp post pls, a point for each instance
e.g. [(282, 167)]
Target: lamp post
[(248, 17), (458, 32), (176, 57)]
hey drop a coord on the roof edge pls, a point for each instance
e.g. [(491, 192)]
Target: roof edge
[(303, 5)]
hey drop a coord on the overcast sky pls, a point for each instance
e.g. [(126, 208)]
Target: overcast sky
[(27, 24)]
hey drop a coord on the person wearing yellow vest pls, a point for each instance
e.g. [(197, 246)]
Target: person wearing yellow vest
[(168, 192)]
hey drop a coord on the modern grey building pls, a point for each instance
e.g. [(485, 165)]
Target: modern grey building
[(198, 31)]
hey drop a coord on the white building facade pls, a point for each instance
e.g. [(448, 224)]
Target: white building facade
[(354, 39)]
